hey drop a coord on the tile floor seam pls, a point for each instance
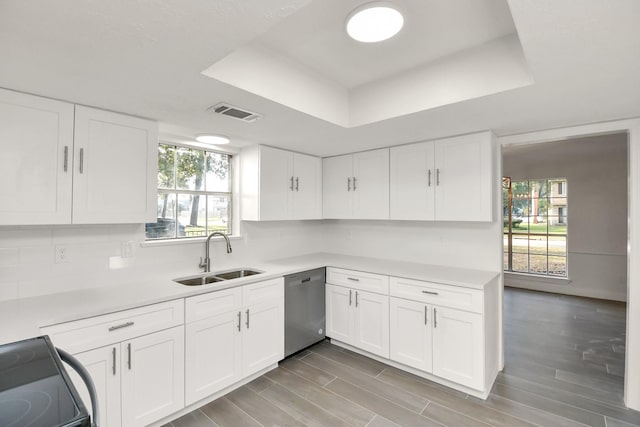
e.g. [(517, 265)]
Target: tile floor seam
[(242, 410)]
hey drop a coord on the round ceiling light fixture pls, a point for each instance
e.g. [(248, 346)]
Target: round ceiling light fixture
[(213, 139), (374, 22)]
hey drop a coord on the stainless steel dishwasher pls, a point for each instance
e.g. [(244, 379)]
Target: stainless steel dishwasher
[(304, 312)]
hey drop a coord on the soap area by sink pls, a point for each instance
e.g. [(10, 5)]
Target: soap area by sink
[(219, 276)]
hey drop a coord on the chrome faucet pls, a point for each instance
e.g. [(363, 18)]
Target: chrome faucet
[(206, 263)]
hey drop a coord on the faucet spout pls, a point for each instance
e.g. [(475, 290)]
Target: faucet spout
[(206, 263)]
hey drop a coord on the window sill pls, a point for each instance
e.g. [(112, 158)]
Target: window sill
[(529, 278), (193, 240)]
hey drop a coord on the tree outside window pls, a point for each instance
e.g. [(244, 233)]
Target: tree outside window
[(194, 193)]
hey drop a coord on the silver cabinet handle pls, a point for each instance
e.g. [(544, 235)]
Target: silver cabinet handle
[(297, 183), (66, 158), (429, 178), (129, 355), (81, 160), (435, 317), (113, 355), (437, 176), (430, 292), (425, 314), (291, 186), (239, 320), (247, 318), (356, 298), (124, 325), (353, 279), (348, 184), (354, 183), (350, 291)]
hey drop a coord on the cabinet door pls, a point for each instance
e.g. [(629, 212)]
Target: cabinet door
[(410, 333), (36, 137), (103, 364), (213, 355), (371, 323), (371, 184), (337, 177), (262, 335), (307, 194), (464, 183), (458, 350), (340, 321), (412, 182), (152, 376), (115, 168), (276, 184)]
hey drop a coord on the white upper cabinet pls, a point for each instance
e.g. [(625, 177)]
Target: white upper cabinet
[(36, 138), (67, 164), (447, 180), (412, 182), (356, 186), (115, 168), (280, 185)]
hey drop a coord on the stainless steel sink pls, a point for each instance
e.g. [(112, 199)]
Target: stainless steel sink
[(198, 281), (234, 274), (205, 279)]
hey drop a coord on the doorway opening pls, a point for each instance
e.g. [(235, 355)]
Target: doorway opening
[(565, 324)]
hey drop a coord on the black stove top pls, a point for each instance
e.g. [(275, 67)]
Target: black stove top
[(35, 390)]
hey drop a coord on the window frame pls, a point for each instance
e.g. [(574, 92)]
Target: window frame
[(231, 223), (508, 233)]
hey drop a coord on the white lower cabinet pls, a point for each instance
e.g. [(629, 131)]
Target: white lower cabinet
[(152, 375), (139, 373), (358, 318), (231, 334), (410, 331), (458, 346)]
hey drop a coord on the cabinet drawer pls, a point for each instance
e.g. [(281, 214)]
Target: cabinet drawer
[(98, 331), (212, 304), (437, 293), (268, 290), (358, 280)]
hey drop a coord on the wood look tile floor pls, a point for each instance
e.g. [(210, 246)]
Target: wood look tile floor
[(564, 367)]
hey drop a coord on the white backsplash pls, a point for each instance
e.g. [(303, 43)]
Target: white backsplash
[(93, 252), (93, 255)]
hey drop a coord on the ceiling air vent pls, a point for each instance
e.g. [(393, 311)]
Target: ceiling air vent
[(235, 112)]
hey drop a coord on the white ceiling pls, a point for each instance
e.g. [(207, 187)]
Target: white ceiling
[(146, 58), (315, 37)]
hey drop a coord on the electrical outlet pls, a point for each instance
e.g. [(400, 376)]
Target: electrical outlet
[(61, 255), (127, 249)]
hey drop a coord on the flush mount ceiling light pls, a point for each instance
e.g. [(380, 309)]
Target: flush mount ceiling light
[(374, 22), (213, 139)]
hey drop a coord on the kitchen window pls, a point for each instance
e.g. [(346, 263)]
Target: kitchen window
[(535, 226), (194, 193)]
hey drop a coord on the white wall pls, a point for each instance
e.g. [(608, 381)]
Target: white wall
[(596, 172), (27, 255)]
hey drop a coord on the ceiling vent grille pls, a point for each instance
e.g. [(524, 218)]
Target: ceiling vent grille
[(234, 112)]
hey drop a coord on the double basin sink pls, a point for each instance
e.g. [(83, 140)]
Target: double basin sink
[(220, 276)]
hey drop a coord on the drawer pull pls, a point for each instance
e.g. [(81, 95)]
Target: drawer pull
[(350, 292), (425, 314), (353, 279), (435, 317), (124, 325), (239, 320), (247, 318), (430, 292)]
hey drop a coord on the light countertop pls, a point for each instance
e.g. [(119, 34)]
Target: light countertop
[(23, 318)]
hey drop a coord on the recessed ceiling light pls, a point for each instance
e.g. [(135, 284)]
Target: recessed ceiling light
[(374, 22), (213, 139)]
